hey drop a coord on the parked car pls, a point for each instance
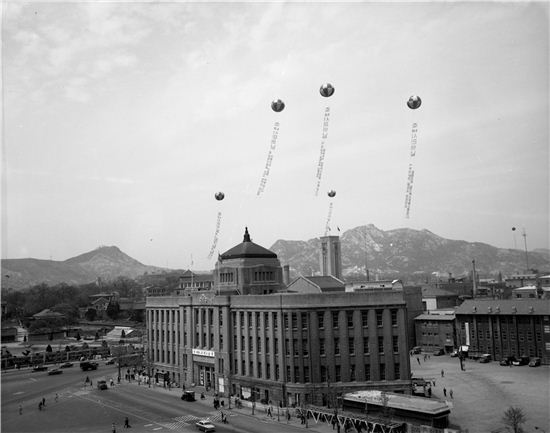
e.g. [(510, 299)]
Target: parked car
[(88, 365), (102, 384), (506, 361), (39, 368), (417, 349), (535, 362), (205, 425), (66, 365), (188, 396), (54, 371), (522, 360), (439, 352), (110, 361), (485, 358)]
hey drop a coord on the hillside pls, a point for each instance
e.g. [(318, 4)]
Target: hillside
[(104, 262), (406, 252)]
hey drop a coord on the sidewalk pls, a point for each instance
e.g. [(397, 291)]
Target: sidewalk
[(260, 410)]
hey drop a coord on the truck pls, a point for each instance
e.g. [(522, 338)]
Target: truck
[(88, 365)]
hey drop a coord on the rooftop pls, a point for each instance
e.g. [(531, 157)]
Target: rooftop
[(248, 249), (504, 306), (401, 401)]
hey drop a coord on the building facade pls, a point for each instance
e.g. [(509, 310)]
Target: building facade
[(505, 328), (248, 338), (436, 330)]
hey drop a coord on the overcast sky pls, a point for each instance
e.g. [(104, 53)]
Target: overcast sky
[(122, 120)]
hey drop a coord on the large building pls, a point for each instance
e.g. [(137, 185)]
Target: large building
[(331, 256), (249, 337), (502, 328)]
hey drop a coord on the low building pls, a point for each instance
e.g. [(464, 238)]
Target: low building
[(502, 328), (435, 330), (527, 292), (521, 280), (434, 298)]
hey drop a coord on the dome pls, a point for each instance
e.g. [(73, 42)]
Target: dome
[(248, 249)]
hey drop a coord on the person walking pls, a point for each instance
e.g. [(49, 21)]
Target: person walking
[(39, 405), (445, 392), (113, 428), (126, 423), (451, 393), (56, 397), (442, 373), (418, 360), (20, 410), (43, 401)]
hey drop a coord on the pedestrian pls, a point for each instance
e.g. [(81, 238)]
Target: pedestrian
[(56, 397), (91, 383), (87, 381), (442, 373), (20, 410), (39, 405), (445, 392), (113, 428), (418, 360), (43, 401), (451, 393), (126, 423)]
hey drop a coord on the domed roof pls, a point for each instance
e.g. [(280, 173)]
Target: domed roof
[(248, 249)]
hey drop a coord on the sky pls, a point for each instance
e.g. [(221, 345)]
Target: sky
[(121, 120)]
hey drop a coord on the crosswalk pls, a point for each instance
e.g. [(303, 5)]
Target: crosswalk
[(183, 421)]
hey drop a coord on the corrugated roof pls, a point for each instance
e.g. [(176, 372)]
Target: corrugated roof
[(527, 306), (326, 281)]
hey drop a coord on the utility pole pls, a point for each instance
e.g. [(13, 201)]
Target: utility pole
[(474, 289)]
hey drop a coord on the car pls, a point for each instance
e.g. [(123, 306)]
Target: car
[(522, 360), (39, 368), (417, 349), (188, 396), (54, 371), (535, 362), (506, 361), (485, 358), (102, 384), (66, 365), (110, 361), (88, 365), (439, 352), (205, 425)]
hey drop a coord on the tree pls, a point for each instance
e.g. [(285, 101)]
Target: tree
[(112, 310), (90, 314), (513, 418)]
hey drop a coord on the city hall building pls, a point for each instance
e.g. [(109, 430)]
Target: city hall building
[(248, 336)]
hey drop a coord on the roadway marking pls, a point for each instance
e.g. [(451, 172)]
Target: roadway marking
[(158, 428), (147, 425), (32, 379), (19, 392)]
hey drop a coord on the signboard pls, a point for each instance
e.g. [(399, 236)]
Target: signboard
[(201, 352)]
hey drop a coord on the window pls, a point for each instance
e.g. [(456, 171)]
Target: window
[(277, 374), (366, 345), (276, 321), (242, 342), (296, 374), (286, 320), (379, 322), (393, 317), (304, 321), (276, 344), (322, 347), (336, 346), (367, 371), (351, 346), (352, 373), (338, 369), (295, 346), (396, 373), (287, 379), (349, 317), (294, 321), (268, 371), (267, 348), (287, 344), (335, 319), (323, 373), (266, 320), (250, 344), (382, 371), (260, 370), (365, 318), (305, 348), (321, 320), (395, 343), (306, 374), (258, 345), (380, 344)]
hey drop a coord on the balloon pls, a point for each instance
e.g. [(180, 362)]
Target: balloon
[(513, 229), (414, 102), (219, 196), (331, 193), (326, 90), (277, 105)]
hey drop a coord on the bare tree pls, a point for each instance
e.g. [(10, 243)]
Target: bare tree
[(513, 418)]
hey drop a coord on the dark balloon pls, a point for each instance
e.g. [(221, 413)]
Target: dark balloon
[(277, 105), (414, 102), (219, 196), (331, 193), (513, 229), (326, 90)]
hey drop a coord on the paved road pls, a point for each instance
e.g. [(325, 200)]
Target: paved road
[(483, 392)]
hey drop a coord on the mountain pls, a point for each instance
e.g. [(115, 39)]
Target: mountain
[(404, 253), (104, 262)]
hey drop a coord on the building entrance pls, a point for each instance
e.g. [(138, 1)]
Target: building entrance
[(206, 376)]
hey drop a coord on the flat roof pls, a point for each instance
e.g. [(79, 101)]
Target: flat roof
[(401, 401), (440, 317)]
